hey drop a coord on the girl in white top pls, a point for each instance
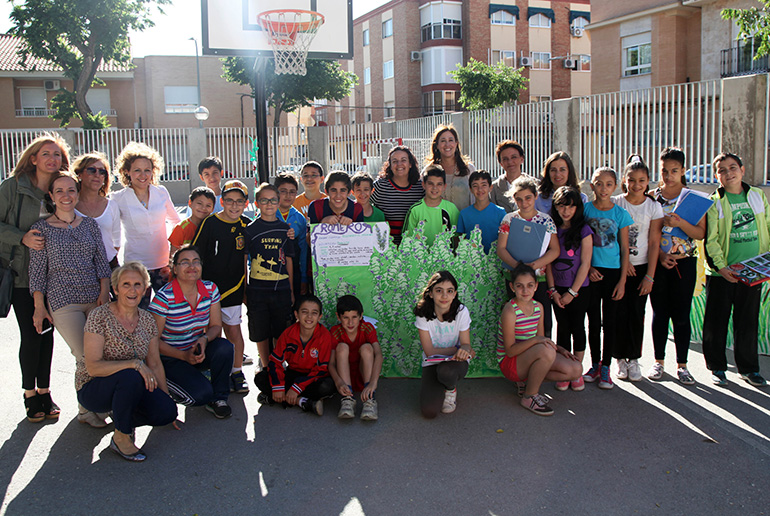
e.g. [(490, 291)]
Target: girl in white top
[(643, 248), (445, 151), (95, 180), (444, 327), (145, 208)]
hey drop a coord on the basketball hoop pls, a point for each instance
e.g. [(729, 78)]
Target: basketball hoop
[(290, 33)]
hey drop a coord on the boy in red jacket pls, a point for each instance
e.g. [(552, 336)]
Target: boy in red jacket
[(306, 347)]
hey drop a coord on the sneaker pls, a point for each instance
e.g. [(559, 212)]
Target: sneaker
[(262, 399), (316, 407), (634, 371), (684, 376), (520, 388), (537, 404), (577, 385), (562, 386), (238, 383), (622, 369), (347, 408), (369, 412), (754, 379), (450, 401), (605, 382), (656, 371), (719, 378), (91, 419), (592, 375), (219, 408), (247, 360)]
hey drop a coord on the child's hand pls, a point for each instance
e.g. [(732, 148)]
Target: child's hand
[(556, 298), (368, 392), (595, 275), (645, 287), (463, 354), (278, 396), (345, 221), (563, 352), (343, 389), (619, 291), (667, 260), (728, 274), (290, 233), (673, 220), (291, 397), (630, 270)]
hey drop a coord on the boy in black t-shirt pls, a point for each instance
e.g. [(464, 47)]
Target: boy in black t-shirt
[(222, 247), (269, 295)]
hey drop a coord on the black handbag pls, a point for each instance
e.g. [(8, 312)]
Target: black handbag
[(7, 276)]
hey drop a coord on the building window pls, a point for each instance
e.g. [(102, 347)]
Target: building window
[(446, 29), (33, 102), (99, 101), (540, 20), (583, 62), (541, 60), (502, 18), (366, 37), (387, 69), (367, 75), (387, 28), (390, 109), (368, 114), (438, 102), (507, 56), (637, 60), (579, 22), (180, 99), (540, 98)]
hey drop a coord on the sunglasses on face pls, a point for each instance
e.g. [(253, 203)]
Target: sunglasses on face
[(93, 171)]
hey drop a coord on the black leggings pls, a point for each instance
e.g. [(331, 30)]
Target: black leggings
[(36, 351), (630, 324), (319, 389), (571, 321), (437, 379), (602, 315), (671, 299)]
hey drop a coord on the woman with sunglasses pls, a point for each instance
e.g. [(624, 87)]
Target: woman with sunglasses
[(94, 181)]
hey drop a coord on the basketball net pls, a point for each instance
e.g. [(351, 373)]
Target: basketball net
[(290, 33)]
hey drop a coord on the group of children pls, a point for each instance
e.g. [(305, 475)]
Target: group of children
[(602, 259)]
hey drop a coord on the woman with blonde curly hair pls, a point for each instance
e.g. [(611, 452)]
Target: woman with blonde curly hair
[(145, 208), (95, 180), (21, 205), (445, 151)]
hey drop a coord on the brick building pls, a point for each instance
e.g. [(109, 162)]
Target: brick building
[(404, 49)]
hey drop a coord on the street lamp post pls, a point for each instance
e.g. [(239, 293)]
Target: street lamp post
[(201, 113)]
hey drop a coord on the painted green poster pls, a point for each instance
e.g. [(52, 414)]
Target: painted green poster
[(390, 284)]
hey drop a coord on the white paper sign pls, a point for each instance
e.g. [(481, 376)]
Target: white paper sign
[(348, 246)]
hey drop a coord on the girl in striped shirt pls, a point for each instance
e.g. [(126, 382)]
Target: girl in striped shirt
[(525, 355)]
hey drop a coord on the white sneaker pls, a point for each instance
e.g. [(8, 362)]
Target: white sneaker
[(369, 412), (634, 371), (450, 401), (347, 408), (622, 369), (656, 371)]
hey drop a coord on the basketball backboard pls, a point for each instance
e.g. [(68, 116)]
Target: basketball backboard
[(230, 27)]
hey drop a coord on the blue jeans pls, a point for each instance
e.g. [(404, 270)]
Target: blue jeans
[(186, 382), (132, 405)]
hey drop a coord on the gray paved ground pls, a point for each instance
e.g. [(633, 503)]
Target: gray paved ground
[(644, 448)]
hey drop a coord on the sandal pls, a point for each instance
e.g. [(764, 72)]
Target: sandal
[(50, 408), (34, 406)]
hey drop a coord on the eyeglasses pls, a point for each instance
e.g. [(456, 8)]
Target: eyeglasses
[(310, 176), (283, 191), (236, 202), (93, 171), (190, 263), (264, 202)]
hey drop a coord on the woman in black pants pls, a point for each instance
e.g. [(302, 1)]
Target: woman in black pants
[(21, 205)]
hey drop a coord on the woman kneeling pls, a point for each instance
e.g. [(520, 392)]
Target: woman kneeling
[(122, 371), (526, 356)]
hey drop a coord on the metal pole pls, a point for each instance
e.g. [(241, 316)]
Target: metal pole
[(260, 102)]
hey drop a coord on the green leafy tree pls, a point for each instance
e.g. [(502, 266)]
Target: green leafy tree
[(486, 87), (78, 36), (753, 22), (286, 92)]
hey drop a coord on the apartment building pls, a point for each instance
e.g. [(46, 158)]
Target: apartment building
[(650, 43), (404, 50)]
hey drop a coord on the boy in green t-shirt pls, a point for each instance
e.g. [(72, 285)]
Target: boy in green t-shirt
[(363, 186), (736, 230), (438, 213)]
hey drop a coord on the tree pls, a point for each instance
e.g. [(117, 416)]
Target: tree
[(286, 92), (78, 36), (753, 22), (486, 87)]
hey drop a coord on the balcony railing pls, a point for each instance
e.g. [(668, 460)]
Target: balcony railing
[(740, 61), (44, 112)]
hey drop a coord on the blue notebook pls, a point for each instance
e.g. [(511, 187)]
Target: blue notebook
[(691, 206), (527, 241)]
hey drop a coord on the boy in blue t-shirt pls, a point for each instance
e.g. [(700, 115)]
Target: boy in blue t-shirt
[(736, 230), (482, 213)]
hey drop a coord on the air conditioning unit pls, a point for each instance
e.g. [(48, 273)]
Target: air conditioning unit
[(570, 63), (525, 61), (415, 55), (577, 31), (52, 85)]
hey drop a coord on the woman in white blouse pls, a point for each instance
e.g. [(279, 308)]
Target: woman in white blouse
[(145, 208), (95, 180)]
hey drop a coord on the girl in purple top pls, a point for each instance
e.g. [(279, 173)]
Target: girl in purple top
[(568, 274)]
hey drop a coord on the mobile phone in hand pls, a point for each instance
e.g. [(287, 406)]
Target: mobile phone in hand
[(47, 326)]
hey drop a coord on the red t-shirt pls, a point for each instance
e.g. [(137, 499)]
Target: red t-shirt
[(366, 334)]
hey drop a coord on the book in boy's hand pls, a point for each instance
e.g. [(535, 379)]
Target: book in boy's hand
[(691, 206), (753, 271), (527, 241)]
